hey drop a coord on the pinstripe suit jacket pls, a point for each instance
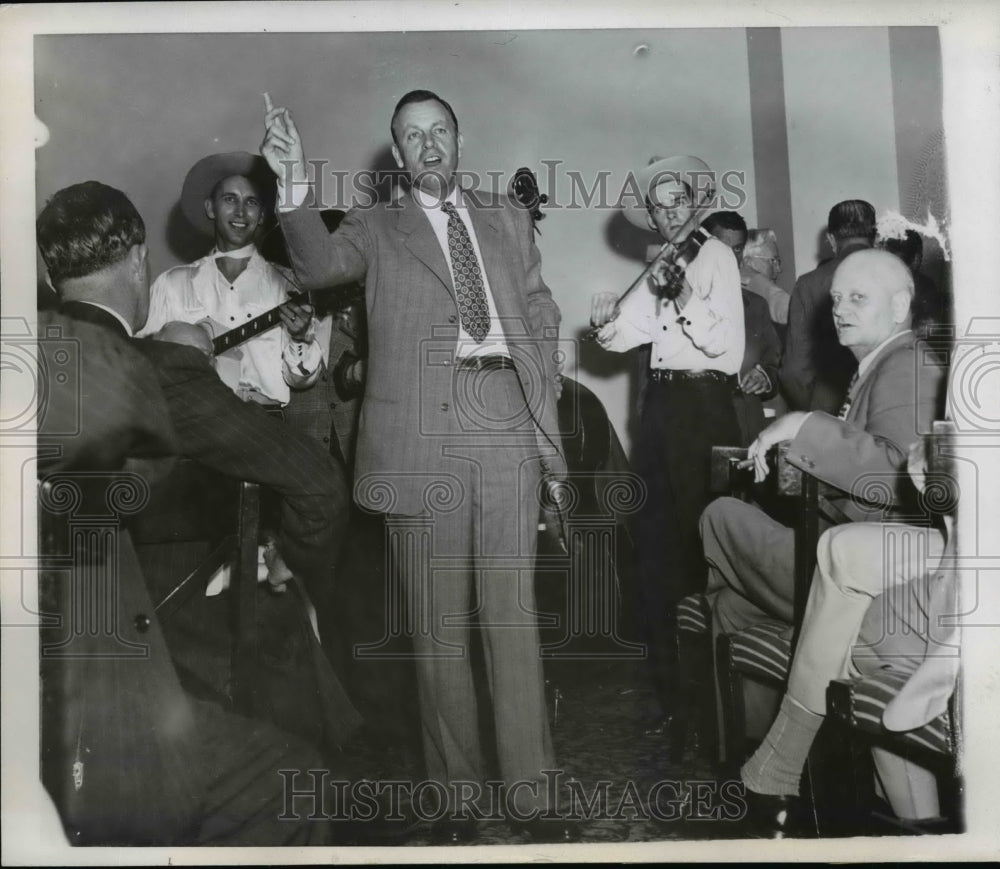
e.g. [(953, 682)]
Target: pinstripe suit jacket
[(407, 413), (240, 440)]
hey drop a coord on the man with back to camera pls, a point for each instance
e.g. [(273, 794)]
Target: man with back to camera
[(816, 369), (697, 343), (214, 775), (458, 431)]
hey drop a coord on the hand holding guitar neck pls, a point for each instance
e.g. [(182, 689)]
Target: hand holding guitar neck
[(296, 316)]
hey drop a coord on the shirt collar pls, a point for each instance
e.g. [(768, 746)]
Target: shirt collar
[(867, 361), (112, 312), (426, 200)]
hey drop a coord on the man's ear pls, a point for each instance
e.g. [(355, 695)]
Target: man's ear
[(209, 208), (901, 302), (830, 240), (460, 143), (650, 223), (139, 256), (397, 156)]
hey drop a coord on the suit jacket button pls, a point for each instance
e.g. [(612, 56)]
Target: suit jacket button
[(444, 405), (453, 319), (142, 623)]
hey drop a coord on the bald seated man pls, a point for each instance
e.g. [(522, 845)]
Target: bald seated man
[(860, 453)]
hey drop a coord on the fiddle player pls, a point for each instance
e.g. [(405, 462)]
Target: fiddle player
[(695, 330)]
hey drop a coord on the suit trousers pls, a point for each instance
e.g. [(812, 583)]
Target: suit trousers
[(751, 565), (681, 421), (467, 564), (856, 565)]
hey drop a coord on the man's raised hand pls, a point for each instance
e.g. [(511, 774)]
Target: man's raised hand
[(282, 145)]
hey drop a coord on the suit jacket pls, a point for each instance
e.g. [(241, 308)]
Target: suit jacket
[(864, 455), (412, 314), (98, 400), (816, 369), (762, 348)]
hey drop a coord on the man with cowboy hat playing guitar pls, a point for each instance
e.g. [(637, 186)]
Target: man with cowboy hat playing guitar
[(691, 315), (223, 196)]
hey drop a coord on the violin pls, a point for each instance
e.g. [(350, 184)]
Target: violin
[(677, 261), (525, 187)]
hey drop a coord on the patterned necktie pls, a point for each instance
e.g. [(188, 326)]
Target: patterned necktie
[(846, 406), (469, 289)]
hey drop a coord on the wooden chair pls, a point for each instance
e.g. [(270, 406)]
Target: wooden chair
[(112, 706), (692, 630), (856, 707), (194, 505), (763, 652)]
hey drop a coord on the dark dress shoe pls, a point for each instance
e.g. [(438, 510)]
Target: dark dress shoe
[(454, 831), (552, 831), (770, 816)]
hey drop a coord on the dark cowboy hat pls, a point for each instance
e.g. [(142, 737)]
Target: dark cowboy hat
[(209, 171)]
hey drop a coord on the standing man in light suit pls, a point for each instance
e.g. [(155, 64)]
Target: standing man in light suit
[(458, 432)]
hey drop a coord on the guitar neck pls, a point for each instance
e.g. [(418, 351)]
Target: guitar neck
[(246, 331)]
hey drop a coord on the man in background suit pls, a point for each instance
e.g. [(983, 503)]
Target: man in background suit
[(762, 350), (815, 368), (458, 430), (128, 756)]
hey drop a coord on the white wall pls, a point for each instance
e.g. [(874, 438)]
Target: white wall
[(841, 133), (137, 111)]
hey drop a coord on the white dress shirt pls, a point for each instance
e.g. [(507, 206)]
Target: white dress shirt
[(708, 334), (495, 342), (266, 364)]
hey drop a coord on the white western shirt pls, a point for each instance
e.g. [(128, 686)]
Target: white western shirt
[(708, 333), (269, 362)]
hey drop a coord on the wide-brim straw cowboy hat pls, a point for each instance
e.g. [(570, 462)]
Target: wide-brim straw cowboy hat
[(694, 171)]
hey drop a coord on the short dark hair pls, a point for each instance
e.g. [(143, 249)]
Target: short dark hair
[(730, 220), (418, 96), (852, 218), (85, 228), (909, 249)]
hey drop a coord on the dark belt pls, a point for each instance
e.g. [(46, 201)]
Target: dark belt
[(671, 375), (493, 362)]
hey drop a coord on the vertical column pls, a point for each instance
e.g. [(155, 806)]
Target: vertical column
[(770, 143)]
